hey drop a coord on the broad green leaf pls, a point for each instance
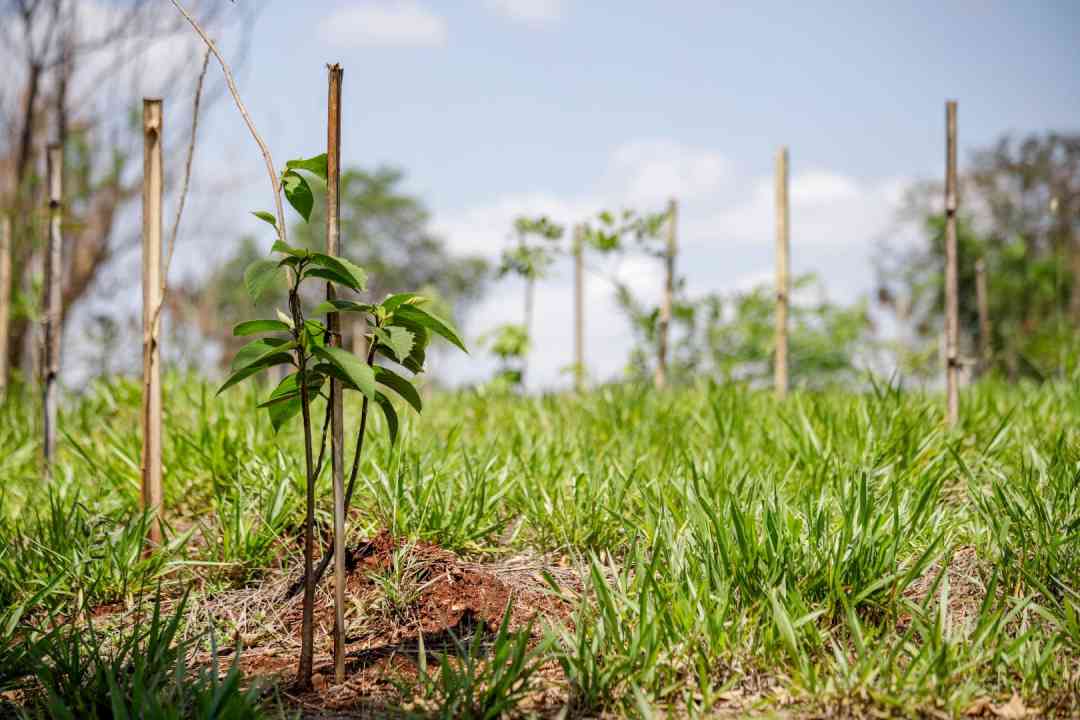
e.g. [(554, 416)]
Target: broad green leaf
[(314, 165), (265, 217), (400, 385), (254, 349), (391, 415), (289, 249), (397, 339), (329, 306), (358, 372), (284, 411), (258, 276), (429, 321), (239, 376), (254, 327), (275, 355), (356, 275), (298, 193), (421, 338), (394, 301), (327, 274)]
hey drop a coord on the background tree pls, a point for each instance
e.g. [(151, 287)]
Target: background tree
[(1022, 201), (72, 75)]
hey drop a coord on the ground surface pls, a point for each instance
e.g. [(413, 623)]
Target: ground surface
[(708, 551)]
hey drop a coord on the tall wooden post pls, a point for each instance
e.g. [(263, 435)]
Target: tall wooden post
[(50, 362), (783, 278), (5, 298), (660, 378), (153, 183), (952, 325), (982, 299), (579, 308), (337, 422)]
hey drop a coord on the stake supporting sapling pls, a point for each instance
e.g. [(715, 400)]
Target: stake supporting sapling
[(152, 287), (5, 298), (50, 366), (783, 278), (952, 319), (333, 321)]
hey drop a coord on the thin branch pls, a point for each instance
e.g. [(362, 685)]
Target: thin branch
[(278, 206), (183, 189)]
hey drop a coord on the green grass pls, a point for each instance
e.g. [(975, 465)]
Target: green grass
[(790, 557)]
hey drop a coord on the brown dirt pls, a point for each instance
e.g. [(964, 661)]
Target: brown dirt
[(397, 592)]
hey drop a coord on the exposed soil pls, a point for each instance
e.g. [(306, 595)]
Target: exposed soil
[(397, 593)]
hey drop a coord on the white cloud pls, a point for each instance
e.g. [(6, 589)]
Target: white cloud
[(726, 240), (383, 23), (529, 12)]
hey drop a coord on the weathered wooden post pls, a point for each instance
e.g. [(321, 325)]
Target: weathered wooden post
[(579, 308), (783, 279), (664, 328), (50, 362), (153, 182), (337, 423), (952, 325), (5, 298), (982, 299)]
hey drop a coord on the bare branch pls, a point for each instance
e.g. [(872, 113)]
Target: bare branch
[(278, 207)]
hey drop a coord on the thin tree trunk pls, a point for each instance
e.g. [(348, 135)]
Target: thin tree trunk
[(53, 326), (982, 298), (579, 308), (783, 279), (152, 493), (660, 377), (952, 325), (337, 430), (5, 298)]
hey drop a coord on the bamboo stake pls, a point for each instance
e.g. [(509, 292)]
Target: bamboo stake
[(982, 298), (337, 429), (53, 270), (153, 182), (5, 298), (660, 378), (783, 279), (579, 308), (952, 325)]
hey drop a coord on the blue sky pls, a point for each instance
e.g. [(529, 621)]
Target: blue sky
[(495, 107)]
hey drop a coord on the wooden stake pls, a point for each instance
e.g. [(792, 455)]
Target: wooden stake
[(579, 308), (783, 279), (337, 422), (982, 298), (53, 312), (660, 379), (952, 324), (153, 183), (5, 298)]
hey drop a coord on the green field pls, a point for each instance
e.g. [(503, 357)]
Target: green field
[(702, 551)]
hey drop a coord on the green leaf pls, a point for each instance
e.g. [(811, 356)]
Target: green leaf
[(239, 376), (284, 411), (314, 165), (275, 355), (285, 401), (390, 413), (330, 306), (392, 303), (254, 327), (356, 277), (421, 338), (253, 350), (397, 339), (289, 249), (258, 276), (331, 275), (425, 319), (265, 217), (400, 385), (358, 372), (298, 193)]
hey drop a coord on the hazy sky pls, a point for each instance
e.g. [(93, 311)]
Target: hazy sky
[(500, 107)]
